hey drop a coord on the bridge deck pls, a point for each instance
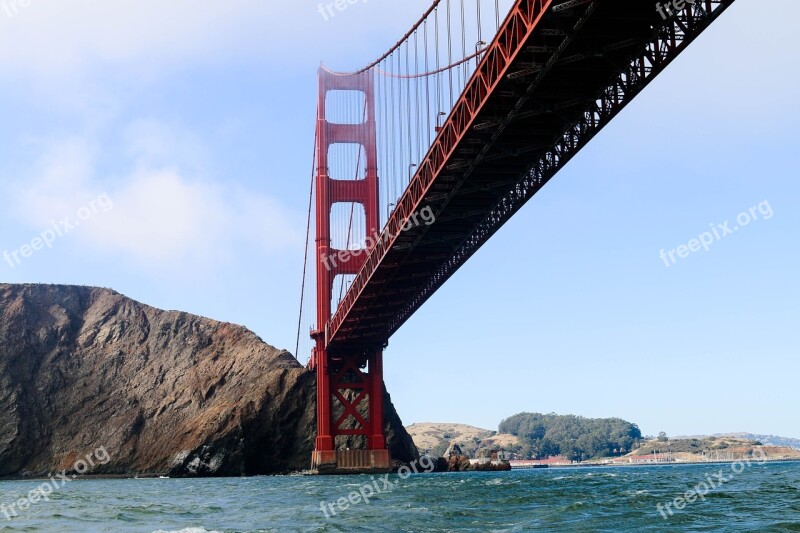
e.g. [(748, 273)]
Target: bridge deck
[(546, 86)]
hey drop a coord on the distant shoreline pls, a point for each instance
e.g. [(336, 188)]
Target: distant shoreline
[(89, 477), (95, 476), (627, 465)]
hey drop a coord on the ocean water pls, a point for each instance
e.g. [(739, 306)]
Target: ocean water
[(752, 498)]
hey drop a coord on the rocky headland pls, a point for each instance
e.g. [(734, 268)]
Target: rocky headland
[(163, 392)]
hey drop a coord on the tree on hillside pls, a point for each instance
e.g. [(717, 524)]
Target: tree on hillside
[(576, 437)]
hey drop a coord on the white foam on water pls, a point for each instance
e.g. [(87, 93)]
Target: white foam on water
[(187, 530)]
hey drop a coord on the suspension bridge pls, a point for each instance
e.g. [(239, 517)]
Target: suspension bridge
[(422, 155)]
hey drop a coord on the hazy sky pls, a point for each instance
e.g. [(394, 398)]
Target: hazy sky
[(195, 121)]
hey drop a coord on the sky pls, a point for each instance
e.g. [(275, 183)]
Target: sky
[(178, 135)]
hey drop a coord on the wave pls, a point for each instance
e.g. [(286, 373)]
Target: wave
[(187, 530)]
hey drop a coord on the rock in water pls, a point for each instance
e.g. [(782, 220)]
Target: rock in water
[(163, 392)]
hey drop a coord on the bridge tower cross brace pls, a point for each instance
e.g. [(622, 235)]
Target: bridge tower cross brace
[(342, 384)]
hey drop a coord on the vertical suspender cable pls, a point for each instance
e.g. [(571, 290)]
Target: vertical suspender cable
[(392, 108), (438, 74), (384, 149), (418, 110), (408, 114), (480, 34), (463, 49), (450, 53), (427, 89)]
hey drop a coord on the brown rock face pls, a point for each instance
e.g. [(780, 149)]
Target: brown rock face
[(461, 463), (162, 391)]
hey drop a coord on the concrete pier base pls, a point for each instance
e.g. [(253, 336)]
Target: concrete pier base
[(351, 462)]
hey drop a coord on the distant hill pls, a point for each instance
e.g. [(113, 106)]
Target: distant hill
[(436, 437), (692, 445), (766, 440), (575, 437), (727, 447), (580, 437)]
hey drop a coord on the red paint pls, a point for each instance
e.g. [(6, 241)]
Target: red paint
[(345, 372)]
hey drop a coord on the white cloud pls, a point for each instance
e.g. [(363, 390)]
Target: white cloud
[(153, 142), (162, 216), (58, 38), (64, 35), (65, 38)]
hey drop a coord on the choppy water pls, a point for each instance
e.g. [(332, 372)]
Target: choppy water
[(760, 498)]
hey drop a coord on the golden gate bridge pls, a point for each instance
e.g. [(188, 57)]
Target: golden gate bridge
[(422, 155)]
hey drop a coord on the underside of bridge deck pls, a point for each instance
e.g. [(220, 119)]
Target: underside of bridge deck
[(555, 75)]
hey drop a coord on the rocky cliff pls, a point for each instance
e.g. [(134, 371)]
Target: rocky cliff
[(161, 391)]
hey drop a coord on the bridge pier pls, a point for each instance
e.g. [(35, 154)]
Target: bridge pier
[(350, 405)]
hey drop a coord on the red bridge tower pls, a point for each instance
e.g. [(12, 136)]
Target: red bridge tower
[(350, 383)]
